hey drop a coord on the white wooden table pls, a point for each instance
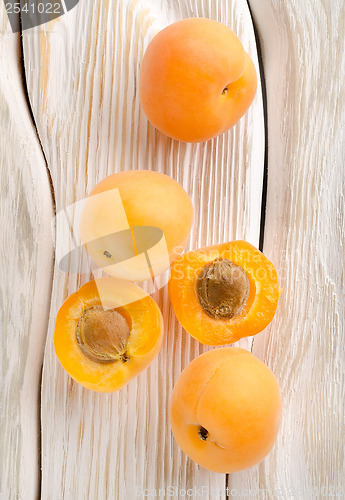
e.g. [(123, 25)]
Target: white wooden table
[(69, 116)]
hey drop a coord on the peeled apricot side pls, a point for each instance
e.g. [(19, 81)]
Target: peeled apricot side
[(225, 410), (135, 224), (224, 292), (196, 80), (106, 333)]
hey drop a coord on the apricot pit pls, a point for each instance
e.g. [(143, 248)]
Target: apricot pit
[(102, 335), (223, 289)]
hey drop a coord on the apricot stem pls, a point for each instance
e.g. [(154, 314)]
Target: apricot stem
[(102, 335), (223, 289), (203, 433), (225, 90)]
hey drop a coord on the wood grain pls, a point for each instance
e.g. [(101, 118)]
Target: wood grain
[(82, 73), (304, 61), (26, 265)]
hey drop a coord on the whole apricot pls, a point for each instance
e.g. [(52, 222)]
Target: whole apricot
[(225, 410), (107, 332), (196, 80), (135, 224)]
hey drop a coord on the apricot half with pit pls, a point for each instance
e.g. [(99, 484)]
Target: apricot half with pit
[(225, 410), (106, 333), (224, 292), (134, 224)]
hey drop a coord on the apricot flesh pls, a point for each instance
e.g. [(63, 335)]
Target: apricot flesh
[(225, 410), (196, 80), (135, 224), (106, 352)]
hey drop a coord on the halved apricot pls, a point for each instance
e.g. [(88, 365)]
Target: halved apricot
[(225, 410), (107, 332), (224, 292)]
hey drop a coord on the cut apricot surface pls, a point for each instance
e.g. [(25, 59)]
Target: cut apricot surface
[(224, 292), (225, 410), (106, 333)]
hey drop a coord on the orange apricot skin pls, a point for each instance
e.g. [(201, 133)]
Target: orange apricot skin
[(144, 343), (237, 399), (149, 199), (183, 76), (262, 301)]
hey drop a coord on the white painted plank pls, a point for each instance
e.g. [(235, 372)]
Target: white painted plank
[(26, 265), (304, 62), (82, 73)]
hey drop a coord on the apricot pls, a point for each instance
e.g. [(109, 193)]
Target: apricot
[(106, 333), (135, 224), (196, 81), (225, 410), (224, 292)]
